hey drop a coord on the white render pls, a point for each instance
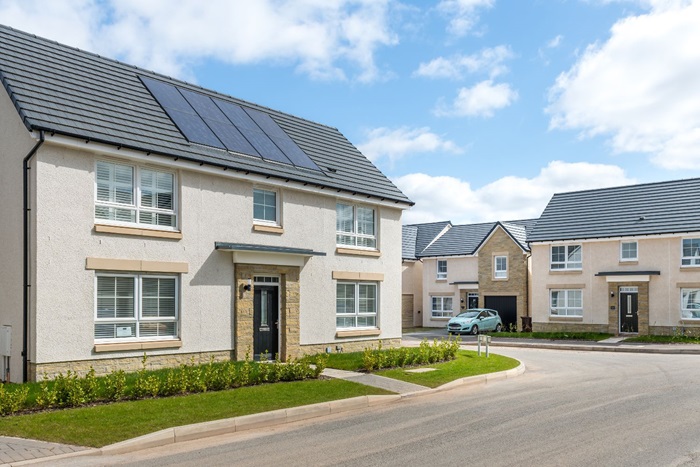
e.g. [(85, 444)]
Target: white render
[(459, 269)]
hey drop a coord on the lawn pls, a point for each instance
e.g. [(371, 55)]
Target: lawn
[(101, 425), (574, 336), (467, 363)]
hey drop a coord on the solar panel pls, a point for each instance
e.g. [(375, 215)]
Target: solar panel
[(231, 137), (204, 106), (167, 95), (194, 128), (264, 145), (237, 115)]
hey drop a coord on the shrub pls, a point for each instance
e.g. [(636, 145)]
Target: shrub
[(115, 385), (12, 401), (438, 351)]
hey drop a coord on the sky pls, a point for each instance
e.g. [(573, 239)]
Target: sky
[(478, 110)]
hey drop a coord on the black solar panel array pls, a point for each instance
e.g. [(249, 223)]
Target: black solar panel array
[(224, 125)]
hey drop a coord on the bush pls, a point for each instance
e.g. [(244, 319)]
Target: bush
[(12, 401), (438, 351)]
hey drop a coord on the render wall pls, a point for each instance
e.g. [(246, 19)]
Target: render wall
[(412, 283), (212, 208), (459, 269), (662, 254), (15, 144)]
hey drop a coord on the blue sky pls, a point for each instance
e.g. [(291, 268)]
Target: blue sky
[(478, 110)]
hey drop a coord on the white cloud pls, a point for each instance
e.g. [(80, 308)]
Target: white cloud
[(555, 42), (395, 144), (640, 87), (322, 39), (481, 100), (463, 14), (488, 61), (508, 198)]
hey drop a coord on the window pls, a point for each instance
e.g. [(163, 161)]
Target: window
[(566, 303), (442, 307), (265, 206), (500, 267), (628, 251), (134, 195), (472, 300), (441, 269), (690, 303), (691, 252), (566, 257), (356, 305), (355, 226), (133, 306)]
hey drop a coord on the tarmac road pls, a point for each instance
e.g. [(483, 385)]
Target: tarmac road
[(570, 408)]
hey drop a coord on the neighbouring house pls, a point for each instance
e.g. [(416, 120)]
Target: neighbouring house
[(622, 260), (142, 214), (416, 237), (471, 266)]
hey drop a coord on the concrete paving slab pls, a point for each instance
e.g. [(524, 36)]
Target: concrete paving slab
[(389, 384), (13, 450)]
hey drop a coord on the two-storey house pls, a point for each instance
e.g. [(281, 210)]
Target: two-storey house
[(142, 214), (622, 260)]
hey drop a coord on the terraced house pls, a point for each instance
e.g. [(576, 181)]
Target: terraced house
[(622, 260), (141, 214)]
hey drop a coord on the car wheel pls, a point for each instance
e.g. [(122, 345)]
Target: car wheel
[(498, 327), (475, 330)]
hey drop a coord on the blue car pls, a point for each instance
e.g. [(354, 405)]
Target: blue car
[(475, 321)]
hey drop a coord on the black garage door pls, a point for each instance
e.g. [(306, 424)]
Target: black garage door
[(506, 307)]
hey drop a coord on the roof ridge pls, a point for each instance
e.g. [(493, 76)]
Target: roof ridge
[(161, 75), (631, 185)]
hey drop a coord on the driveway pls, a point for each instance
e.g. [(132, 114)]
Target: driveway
[(570, 408)]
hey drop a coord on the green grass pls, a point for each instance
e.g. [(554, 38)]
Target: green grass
[(110, 423), (351, 361), (466, 364), (575, 336), (665, 339)]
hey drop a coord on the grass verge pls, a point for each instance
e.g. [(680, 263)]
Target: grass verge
[(101, 425), (665, 339), (466, 364), (574, 336)]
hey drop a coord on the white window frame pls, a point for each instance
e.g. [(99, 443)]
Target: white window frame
[(357, 314), (567, 264), (622, 251), (137, 316), (277, 220), (441, 274), (441, 311), (687, 312), (567, 309), (353, 235), (136, 193), (690, 261), (500, 273)]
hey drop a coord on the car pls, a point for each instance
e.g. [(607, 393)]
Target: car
[(475, 321)]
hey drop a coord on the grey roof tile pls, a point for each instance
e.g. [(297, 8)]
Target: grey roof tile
[(68, 91), (645, 209)]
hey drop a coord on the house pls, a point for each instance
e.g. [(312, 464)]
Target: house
[(415, 238), (470, 266), (623, 260), (145, 215)]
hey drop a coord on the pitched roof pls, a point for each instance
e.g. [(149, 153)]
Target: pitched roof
[(467, 239), (416, 237), (646, 209), (67, 91)]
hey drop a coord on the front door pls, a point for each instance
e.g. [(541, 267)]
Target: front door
[(265, 322), (629, 320)]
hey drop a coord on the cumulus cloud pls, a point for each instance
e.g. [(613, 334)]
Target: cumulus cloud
[(325, 40), (640, 87), (395, 144), (481, 100), (463, 14), (508, 198), (489, 61)]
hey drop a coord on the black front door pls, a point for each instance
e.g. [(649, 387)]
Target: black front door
[(629, 320), (265, 322)]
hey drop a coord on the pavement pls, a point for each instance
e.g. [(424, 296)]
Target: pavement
[(16, 451)]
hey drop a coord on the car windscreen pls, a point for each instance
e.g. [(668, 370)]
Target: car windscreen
[(469, 314)]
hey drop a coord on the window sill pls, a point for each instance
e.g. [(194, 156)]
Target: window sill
[(631, 262), (565, 318), (135, 231), (690, 268), (500, 279), (354, 252), (275, 229), (149, 345), (566, 271), (358, 333)]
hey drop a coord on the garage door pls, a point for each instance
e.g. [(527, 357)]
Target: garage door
[(506, 306), (407, 310)]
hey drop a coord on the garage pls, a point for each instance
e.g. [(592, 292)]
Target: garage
[(506, 306)]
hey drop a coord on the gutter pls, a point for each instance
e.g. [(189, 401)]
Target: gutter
[(25, 259)]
